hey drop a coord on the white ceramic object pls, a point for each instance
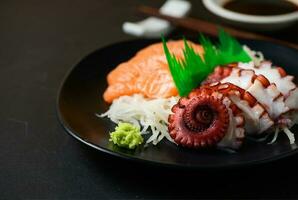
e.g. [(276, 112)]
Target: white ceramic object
[(272, 22), (154, 27)]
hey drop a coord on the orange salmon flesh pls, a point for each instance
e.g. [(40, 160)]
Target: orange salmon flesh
[(146, 73)]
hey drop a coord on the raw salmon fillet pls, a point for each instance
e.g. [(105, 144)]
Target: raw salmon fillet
[(146, 73)]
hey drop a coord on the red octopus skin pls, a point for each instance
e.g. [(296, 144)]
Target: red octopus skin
[(192, 126), (230, 89), (219, 73)]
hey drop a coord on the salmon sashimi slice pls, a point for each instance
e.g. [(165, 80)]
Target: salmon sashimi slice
[(146, 73)]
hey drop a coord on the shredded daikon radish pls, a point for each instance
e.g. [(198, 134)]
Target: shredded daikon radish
[(275, 136), (290, 135), (256, 56), (150, 115)]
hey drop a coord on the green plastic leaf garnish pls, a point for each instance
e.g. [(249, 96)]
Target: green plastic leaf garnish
[(193, 69)]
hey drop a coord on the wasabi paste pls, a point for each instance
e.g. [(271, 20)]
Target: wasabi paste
[(126, 135)]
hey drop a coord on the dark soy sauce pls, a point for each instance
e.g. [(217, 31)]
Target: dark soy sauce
[(264, 7)]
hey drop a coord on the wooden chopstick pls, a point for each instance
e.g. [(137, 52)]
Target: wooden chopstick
[(208, 27)]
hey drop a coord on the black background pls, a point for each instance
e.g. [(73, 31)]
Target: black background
[(39, 42)]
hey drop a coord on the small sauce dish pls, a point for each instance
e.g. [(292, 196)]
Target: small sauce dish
[(257, 22)]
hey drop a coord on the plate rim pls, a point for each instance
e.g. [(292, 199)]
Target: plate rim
[(73, 133)]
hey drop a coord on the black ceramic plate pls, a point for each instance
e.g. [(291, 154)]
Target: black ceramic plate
[(80, 98)]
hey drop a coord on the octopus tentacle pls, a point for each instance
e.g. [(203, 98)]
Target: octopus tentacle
[(245, 98), (272, 88), (260, 87), (206, 118), (274, 74), (198, 122), (235, 134), (256, 117), (277, 75)]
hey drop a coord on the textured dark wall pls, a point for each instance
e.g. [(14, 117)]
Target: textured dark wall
[(39, 42)]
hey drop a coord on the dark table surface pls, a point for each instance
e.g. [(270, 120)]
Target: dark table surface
[(40, 41)]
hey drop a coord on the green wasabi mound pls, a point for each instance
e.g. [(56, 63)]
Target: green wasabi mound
[(126, 135)]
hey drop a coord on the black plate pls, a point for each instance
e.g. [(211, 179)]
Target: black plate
[(80, 97)]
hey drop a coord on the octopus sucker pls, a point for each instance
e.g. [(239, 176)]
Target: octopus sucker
[(281, 72), (265, 82), (249, 98)]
